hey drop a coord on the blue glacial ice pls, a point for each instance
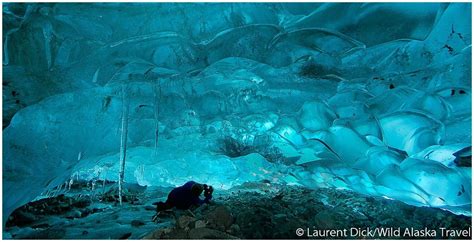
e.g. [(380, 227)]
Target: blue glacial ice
[(374, 98)]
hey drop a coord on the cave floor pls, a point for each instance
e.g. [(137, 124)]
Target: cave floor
[(250, 211)]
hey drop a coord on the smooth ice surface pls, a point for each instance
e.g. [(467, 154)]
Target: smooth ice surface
[(372, 97)]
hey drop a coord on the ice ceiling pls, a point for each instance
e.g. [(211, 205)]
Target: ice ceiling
[(375, 98)]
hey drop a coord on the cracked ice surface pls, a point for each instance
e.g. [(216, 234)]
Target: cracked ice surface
[(375, 97)]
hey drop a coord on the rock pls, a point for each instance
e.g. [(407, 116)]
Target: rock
[(206, 233), (22, 218), (74, 214), (96, 210), (150, 208), (158, 234), (234, 228), (326, 219), (185, 221), (85, 212), (386, 221), (137, 223), (48, 234), (360, 216), (199, 224), (81, 203), (126, 235), (279, 218), (41, 226), (220, 217)]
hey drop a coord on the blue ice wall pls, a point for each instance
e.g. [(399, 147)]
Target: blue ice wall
[(372, 97)]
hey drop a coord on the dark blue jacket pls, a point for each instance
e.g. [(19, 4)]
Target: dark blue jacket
[(182, 197)]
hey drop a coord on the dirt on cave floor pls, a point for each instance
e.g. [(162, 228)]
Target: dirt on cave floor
[(251, 211)]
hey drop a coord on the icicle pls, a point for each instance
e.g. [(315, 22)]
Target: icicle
[(104, 179), (53, 192), (6, 56), (123, 142), (156, 113), (61, 187), (71, 181), (92, 195), (57, 190), (48, 36), (96, 75)]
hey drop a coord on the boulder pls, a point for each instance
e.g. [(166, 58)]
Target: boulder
[(200, 224), (137, 223), (157, 234), (22, 218), (220, 217), (185, 222)]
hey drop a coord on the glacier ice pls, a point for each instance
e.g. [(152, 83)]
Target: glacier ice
[(448, 155), (316, 116), (372, 97), (411, 131)]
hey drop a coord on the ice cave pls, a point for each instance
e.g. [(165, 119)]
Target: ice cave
[(299, 115)]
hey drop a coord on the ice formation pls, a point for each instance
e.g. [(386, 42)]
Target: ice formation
[(375, 97)]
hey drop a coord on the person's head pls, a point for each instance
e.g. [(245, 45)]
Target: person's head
[(197, 189)]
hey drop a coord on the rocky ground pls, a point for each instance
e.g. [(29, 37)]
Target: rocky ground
[(250, 211)]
